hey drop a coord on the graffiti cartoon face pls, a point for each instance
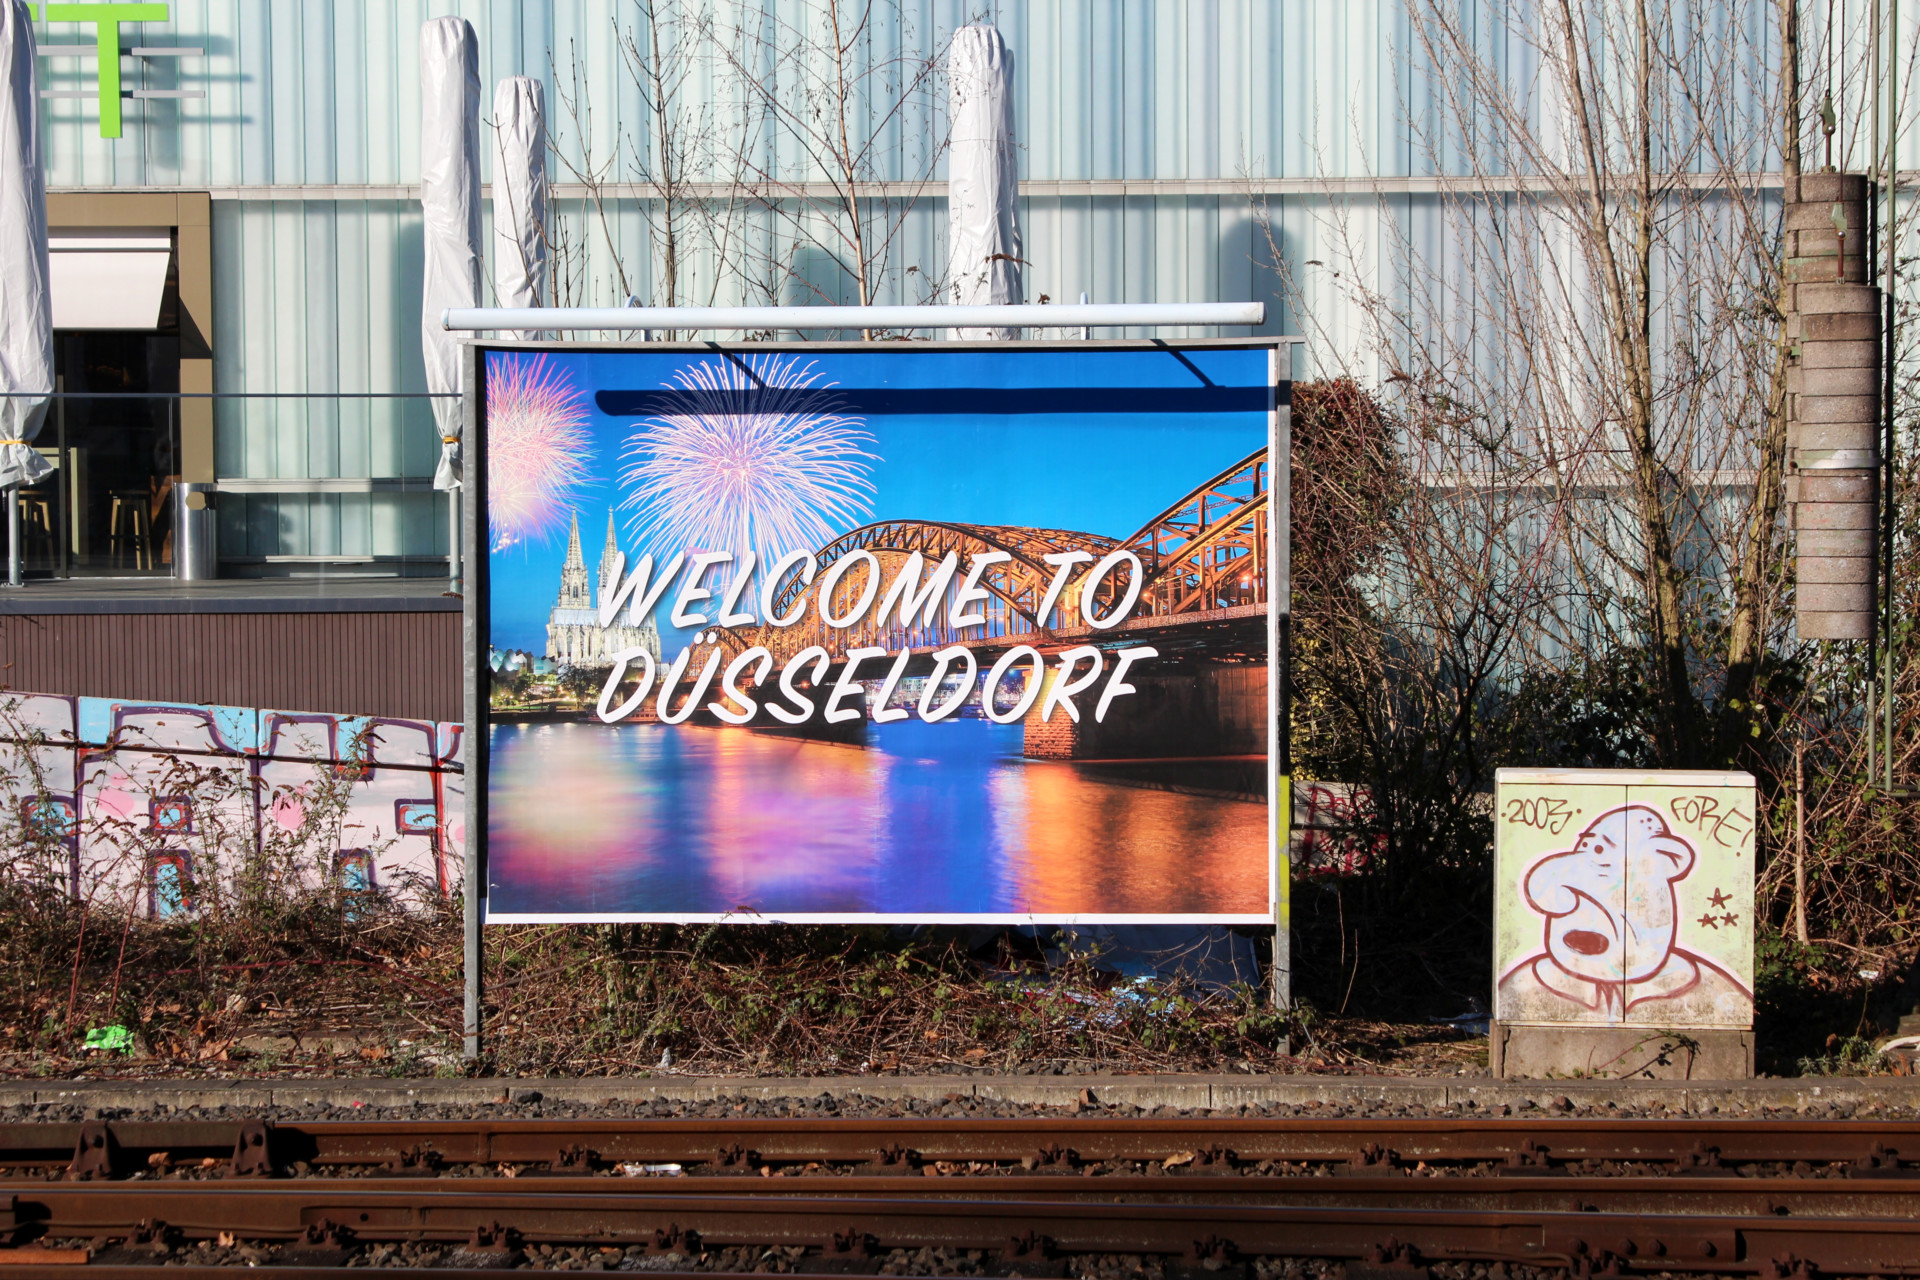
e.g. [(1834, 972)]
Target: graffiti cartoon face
[(1609, 900)]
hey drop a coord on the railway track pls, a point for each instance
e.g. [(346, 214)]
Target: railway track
[(1389, 1199), (108, 1149)]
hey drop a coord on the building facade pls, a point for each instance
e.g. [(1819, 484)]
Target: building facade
[(244, 219), (270, 152)]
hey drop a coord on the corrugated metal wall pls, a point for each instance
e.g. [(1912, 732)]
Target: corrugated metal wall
[(308, 139), (324, 91), (404, 664)]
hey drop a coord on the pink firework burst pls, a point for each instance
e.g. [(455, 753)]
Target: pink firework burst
[(754, 457), (537, 447)]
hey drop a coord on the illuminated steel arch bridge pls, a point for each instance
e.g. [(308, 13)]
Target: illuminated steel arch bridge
[(1203, 560)]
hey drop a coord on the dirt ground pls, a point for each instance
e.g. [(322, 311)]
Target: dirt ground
[(388, 1000)]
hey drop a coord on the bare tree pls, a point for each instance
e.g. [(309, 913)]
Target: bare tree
[(678, 167), (1588, 308), (779, 158), (1574, 330), (689, 162), (594, 166), (854, 133)]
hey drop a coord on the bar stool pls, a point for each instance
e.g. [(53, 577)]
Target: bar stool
[(130, 528), (36, 523)]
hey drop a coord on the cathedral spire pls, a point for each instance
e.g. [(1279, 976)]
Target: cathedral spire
[(607, 557), (575, 635), (573, 575)]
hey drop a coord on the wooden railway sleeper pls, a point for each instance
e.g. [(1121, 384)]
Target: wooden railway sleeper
[(417, 1161), (1372, 1161), (1530, 1159), (574, 1161), (149, 1240), (492, 1237), (1212, 1248), (1032, 1256), (1214, 1159), (671, 1239), (893, 1160), (853, 1244), (1055, 1157), (1587, 1267), (1029, 1246), (321, 1244), (1389, 1260), (1881, 1162), (735, 1158), (1701, 1162)]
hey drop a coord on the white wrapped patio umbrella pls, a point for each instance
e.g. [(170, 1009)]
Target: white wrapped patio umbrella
[(26, 304), (450, 210), (520, 195), (983, 227)]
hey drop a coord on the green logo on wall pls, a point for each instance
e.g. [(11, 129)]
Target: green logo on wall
[(106, 20)]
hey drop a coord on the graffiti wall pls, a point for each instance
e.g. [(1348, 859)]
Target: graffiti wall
[(1624, 898), (160, 801), (1334, 832)]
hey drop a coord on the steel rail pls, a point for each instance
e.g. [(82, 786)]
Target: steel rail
[(448, 1212), (64, 1206), (777, 1142), (16, 1268)]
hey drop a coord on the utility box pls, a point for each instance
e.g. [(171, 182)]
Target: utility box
[(1623, 933)]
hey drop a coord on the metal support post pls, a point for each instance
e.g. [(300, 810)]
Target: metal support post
[(64, 486), (1888, 497), (467, 534), (13, 536), (456, 533), (1279, 638)]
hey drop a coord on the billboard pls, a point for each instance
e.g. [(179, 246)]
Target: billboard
[(909, 632), (1623, 898)]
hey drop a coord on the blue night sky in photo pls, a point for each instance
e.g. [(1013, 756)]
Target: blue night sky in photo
[(1063, 439)]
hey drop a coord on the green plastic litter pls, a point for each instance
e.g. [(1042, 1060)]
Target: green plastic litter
[(114, 1037)]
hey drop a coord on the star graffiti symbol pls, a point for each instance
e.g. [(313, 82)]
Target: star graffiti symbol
[(1721, 899), (1709, 922), (1729, 919)]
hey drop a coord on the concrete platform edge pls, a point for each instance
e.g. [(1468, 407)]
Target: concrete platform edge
[(1185, 1092)]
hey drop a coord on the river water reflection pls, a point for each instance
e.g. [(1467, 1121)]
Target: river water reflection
[(589, 819)]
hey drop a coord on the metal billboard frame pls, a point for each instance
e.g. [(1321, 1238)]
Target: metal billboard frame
[(475, 612)]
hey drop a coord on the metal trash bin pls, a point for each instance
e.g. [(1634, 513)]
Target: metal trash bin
[(195, 556)]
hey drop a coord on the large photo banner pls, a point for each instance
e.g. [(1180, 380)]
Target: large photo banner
[(906, 632)]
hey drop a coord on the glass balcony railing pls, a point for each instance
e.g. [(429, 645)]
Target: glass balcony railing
[(342, 479)]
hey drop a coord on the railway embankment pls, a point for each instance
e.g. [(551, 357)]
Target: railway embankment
[(1224, 1092)]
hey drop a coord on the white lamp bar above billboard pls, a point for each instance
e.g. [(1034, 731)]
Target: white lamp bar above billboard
[(1118, 315)]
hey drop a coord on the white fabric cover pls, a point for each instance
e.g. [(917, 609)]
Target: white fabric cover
[(520, 195), (450, 209), (26, 299), (983, 227)]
